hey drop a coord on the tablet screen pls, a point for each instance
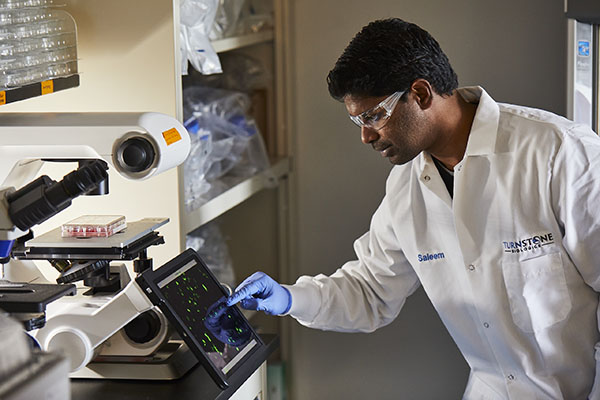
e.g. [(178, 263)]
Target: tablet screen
[(198, 300)]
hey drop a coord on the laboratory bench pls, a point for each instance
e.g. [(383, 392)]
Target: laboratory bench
[(195, 384)]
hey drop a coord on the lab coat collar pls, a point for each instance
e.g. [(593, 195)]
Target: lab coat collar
[(482, 138)]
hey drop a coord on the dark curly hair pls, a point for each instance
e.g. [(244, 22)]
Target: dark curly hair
[(388, 55)]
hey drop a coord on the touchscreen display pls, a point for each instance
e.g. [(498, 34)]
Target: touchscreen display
[(199, 302)]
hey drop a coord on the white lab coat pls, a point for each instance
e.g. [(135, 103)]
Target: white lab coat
[(511, 263)]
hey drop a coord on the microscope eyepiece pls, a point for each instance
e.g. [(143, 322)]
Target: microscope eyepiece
[(85, 178), (43, 198)]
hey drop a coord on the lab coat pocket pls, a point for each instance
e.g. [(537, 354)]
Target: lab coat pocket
[(537, 292)]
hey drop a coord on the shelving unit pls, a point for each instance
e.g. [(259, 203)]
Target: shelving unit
[(254, 215), (238, 42), (268, 179), (235, 196)]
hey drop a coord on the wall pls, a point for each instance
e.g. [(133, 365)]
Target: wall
[(517, 51)]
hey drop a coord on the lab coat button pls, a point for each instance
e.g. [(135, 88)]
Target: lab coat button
[(471, 267), (510, 377), (485, 324), (426, 178)]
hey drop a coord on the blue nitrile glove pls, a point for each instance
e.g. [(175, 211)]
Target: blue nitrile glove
[(260, 292)]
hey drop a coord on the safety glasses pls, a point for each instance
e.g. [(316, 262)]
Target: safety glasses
[(378, 116)]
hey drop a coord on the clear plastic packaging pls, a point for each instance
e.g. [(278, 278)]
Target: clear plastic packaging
[(197, 17), (94, 226), (241, 72), (226, 19), (226, 146)]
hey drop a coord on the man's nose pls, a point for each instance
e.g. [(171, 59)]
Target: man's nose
[(368, 135)]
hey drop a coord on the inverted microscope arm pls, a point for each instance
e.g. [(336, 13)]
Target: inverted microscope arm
[(78, 329)]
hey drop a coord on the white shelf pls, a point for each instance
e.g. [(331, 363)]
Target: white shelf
[(235, 195), (236, 42)]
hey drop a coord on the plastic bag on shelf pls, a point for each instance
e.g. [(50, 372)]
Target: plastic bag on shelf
[(241, 72), (210, 244), (241, 17), (197, 18), (226, 19), (226, 146), (201, 100)]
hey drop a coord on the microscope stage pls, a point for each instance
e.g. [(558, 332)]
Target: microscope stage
[(134, 231), (124, 245)]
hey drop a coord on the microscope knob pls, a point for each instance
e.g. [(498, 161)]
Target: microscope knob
[(80, 270), (144, 328)]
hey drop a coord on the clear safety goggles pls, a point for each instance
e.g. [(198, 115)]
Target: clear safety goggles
[(378, 116)]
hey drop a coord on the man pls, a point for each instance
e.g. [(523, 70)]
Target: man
[(491, 207)]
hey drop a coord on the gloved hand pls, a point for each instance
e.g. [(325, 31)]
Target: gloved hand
[(260, 292)]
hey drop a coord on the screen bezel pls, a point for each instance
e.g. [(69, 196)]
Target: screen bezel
[(149, 280)]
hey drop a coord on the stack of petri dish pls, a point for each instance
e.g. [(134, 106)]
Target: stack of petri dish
[(38, 42)]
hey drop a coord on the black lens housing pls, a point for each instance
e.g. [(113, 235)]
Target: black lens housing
[(136, 154), (43, 198)]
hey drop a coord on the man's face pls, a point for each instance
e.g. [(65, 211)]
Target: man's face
[(404, 135)]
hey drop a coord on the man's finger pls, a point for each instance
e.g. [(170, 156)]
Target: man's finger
[(250, 304), (248, 290)]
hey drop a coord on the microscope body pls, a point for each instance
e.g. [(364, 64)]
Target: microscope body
[(136, 146)]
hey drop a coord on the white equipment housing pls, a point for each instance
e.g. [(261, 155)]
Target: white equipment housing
[(138, 146)]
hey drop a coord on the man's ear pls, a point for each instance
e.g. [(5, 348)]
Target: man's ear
[(423, 93)]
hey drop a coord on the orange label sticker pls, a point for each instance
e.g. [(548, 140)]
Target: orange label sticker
[(2, 98), (171, 136), (47, 87)]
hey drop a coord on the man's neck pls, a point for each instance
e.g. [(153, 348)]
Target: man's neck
[(456, 120)]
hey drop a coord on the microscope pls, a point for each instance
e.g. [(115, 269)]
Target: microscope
[(107, 324)]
